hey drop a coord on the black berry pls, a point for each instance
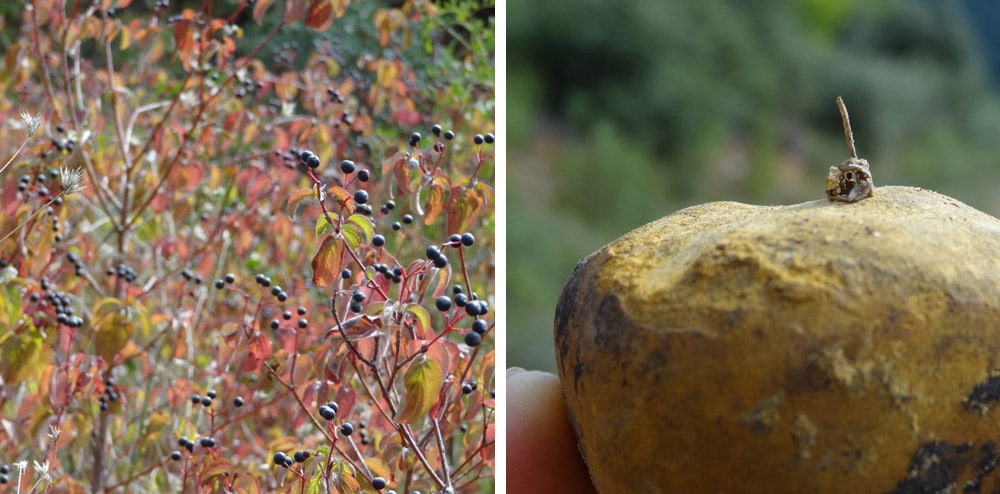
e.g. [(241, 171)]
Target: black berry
[(212, 394), (327, 413), (176, 456), (478, 139), (378, 240), (346, 429), (489, 138), (364, 175), (238, 401), (301, 456), (479, 326), (407, 219), (282, 460), (468, 239), (378, 483), (347, 166), (309, 159), (443, 303), (449, 135), (361, 196), (436, 130), (473, 338), (230, 278), (207, 442), (219, 284)]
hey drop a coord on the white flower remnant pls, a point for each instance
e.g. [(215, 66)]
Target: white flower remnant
[(72, 180), (31, 122)]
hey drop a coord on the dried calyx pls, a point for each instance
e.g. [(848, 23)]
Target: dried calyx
[(851, 180)]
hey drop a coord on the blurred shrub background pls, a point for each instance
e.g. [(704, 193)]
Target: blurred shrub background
[(623, 112)]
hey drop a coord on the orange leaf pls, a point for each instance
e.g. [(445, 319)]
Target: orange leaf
[(184, 33), (435, 202), (319, 15), (464, 206), (328, 262), (258, 10), (294, 10)]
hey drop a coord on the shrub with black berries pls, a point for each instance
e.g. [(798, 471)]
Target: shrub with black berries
[(225, 263)]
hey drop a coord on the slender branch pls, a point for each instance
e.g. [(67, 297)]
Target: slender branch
[(13, 156), (36, 213), (444, 453)]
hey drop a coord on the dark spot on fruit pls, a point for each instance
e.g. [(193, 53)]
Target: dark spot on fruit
[(983, 395), (938, 466)]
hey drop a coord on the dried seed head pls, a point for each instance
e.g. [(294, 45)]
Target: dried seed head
[(32, 122), (71, 179)]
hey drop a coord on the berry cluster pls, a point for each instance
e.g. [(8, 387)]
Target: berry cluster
[(60, 302), (190, 276), (110, 395), (123, 271), (205, 401)]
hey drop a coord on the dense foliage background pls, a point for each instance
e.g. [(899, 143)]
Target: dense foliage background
[(247, 246), (623, 112)]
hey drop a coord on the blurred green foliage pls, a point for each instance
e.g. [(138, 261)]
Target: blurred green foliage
[(623, 112)]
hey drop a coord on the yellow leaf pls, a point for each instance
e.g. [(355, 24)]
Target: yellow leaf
[(113, 333), (422, 381), (19, 356)]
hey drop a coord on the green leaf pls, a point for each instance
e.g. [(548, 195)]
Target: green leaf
[(422, 316), (323, 226), (365, 225), (10, 306), (326, 263), (351, 233), (421, 381)]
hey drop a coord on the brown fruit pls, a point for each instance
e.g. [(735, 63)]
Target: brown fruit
[(820, 347)]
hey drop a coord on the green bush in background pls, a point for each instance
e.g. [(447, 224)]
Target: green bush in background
[(622, 112)]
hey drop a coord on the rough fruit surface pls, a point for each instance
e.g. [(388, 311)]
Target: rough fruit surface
[(820, 347)]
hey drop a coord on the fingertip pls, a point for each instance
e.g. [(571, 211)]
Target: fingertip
[(542, 454)]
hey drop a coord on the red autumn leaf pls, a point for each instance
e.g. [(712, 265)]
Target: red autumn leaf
[(319, 15), (258, 350)]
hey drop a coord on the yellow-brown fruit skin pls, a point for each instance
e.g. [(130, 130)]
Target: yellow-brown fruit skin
[(820, 347)]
